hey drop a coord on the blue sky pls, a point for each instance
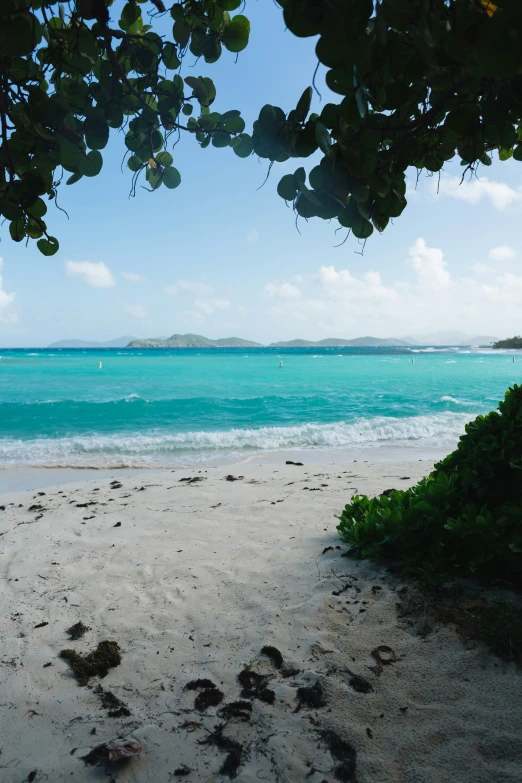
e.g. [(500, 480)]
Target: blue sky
[(219, 257)]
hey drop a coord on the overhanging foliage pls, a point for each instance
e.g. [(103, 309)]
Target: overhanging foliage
[(419, 82)]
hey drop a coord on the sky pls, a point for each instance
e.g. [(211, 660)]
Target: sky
[(220, 256)]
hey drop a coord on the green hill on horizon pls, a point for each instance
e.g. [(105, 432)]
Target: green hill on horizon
[(193, 341)]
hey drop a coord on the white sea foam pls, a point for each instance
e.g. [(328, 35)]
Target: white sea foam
[(455, 400), (160, 447)]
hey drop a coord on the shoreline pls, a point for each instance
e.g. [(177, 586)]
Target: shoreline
[(192, 573), (18, 478)]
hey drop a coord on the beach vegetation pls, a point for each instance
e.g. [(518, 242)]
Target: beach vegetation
[(464, 519), (416, 83), (510, 342)]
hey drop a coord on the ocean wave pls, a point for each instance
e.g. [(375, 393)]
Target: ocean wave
[(160, 447), (455, 401)]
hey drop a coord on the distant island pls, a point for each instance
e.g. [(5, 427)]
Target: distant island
[(337, 342), (118, 342), (199, 341), (193, 341), (510, 342), (449, 338)]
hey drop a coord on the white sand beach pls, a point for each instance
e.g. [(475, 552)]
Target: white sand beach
[(192, 579)]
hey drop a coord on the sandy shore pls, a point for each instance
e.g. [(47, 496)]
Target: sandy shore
[(192, 579)]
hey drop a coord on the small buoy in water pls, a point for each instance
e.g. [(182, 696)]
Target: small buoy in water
[(413, 361), (280, 364), (99, 365)]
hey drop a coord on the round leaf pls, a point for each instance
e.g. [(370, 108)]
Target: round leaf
[(134, 163), (169, 56), (287, 187), (236, 34), (90, 165), (242, 145), (48, 246), (164, 158), (171, 177), (74, 178)]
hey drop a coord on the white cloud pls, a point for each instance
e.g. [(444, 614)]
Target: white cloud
[(93, 273), (172, 290), (193, 317), (210, 305), (5, 300), (282, 290), (252, 236), (498, 194), (481, 269), (429, 264), (199, 289), (133, 277), (337, 302), (502, 253), (138, 311), (343, 285)]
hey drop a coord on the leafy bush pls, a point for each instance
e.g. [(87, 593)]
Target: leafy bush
[(465, 518)]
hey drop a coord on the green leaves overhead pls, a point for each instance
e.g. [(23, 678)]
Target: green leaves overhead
[(235, 35), (90, 164), (415, 83), (202, 88), (418, 84), (72, 73)]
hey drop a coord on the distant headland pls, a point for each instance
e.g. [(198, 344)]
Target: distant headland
[(510, 342), (199, 341), (193, 341)]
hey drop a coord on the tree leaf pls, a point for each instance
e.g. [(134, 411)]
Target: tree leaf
[(171, 177), (48, 247), (303, 105), (235, 36), (169, 56), (90, 164), (287, 187), (242, 145)]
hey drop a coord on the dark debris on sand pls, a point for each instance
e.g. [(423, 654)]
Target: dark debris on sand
[(358, 683), (98, 662), (209, 696), (182, 771), (274, 654), (342, 752), (255, 686), (116, 708), (194, 685), (97, 755), (235, 751), (77, 630), (237, 709), (311, 696), (277, 659)]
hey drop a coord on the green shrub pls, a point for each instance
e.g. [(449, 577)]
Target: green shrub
[(465, 518)]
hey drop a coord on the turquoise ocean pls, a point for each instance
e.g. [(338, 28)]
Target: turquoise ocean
[(163, 407)]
